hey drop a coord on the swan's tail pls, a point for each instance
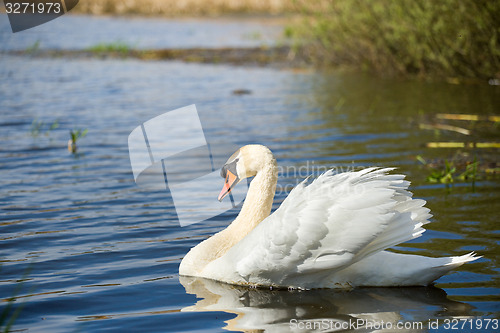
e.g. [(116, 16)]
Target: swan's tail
[(396, 269), (460, 260), (450, 263)]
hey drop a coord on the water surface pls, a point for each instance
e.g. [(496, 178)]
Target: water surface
[(83, 248), (76, 32)]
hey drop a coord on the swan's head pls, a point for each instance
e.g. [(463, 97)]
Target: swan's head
[(244, 163)]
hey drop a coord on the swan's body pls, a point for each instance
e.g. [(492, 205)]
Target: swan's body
[(331, 233)]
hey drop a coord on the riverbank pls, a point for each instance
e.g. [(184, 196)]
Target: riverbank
[(388, 38), (276, 57), (176, 8), (280, 57), (449, 41)]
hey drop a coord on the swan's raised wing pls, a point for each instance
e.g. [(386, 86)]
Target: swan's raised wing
[(324, 227)]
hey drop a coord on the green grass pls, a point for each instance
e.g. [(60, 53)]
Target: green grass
[(445, 38), (115, 47)]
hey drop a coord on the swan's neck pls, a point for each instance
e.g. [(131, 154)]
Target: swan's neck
[(258, 203), (257, 207)]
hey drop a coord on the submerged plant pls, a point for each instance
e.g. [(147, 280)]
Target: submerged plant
[(444, 176), (9, 315), (470, 172), (75, 135), (37, 127), (446, 173)]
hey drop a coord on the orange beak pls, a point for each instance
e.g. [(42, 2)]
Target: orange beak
[(231, 180)]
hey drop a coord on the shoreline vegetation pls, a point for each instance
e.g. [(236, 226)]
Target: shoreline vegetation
[(423, 38), (191, 8), (456, 41), (273, 56)]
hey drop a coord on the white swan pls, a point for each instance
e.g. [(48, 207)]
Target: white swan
[(331, 233)]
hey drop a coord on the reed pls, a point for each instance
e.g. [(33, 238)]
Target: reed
[(75, 135)]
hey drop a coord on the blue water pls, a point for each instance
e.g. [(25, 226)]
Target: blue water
[(83, 248), (73, 32)]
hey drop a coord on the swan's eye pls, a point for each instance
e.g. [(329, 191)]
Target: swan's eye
[(231, 167)]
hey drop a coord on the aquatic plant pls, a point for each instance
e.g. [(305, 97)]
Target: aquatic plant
[(470, 172), (116, 47), (37, 127), (9, 315), (445, 172), (254, 35), (75, 135), (33, 48), (443, 175), (445, 38)]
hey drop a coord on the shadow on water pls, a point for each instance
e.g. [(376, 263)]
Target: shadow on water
[(322, 309)]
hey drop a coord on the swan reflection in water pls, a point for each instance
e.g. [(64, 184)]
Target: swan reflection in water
[(363, 309)]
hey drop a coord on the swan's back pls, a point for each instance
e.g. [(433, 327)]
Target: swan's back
[(323, 228), (333, 233)]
